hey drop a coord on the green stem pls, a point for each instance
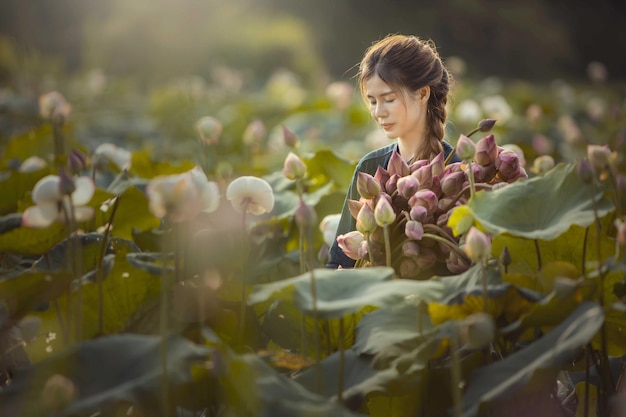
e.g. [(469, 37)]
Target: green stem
[(387, 245), (341, 360), (587, 366), (470, 175), (618, 197), (452, 245), (59, 141), (483, 279), (103, 246), (244, 280), (538, 252), (369, 252)]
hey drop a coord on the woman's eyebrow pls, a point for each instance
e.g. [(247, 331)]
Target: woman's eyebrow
[(382, 95)]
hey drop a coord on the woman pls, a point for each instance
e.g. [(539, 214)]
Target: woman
[(406, 85)]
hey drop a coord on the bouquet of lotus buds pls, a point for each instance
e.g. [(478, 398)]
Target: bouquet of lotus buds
[(402, 215)]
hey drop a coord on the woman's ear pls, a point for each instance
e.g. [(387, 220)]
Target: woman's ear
[(424, 94)]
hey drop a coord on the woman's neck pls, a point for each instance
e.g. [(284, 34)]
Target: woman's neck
[(409, 150)]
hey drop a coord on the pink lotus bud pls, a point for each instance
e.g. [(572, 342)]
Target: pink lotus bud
[(355, 206), (465, 148), (437, 165), (599, 156), (436, 187), (367, 186), (294, 168), (381, 175), (365, 220), (414, 230), (424, 176), (76, 161), (452, 184), (66, 183), (407, 186), (363, 250), (505, 257), (305, 216), (290, 138), (521, 174), (477, 245), (418, 164), (478, 330), (209, 130), (585, 171), (456, 264), (410, 248), (507, 164), (350, 243), (486, 151), (542, 164), (486, 125), (425, 198), (418, 213), (391, 184), (397, 165), (542, 145), (384, 213), (453, 167)]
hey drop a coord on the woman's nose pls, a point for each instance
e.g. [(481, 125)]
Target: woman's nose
[(379, 111)]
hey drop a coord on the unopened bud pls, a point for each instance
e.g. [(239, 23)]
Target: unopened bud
[(254, 133), (621, 232), (383, 212), (305, 216), (397, 165), (294, 168), (66, 183), (542, 164), (465, 148), (505, 257), (477, 245), (367, 186), (486, 125), (599, 157), (414, 230), (407, 186), (585, 171), (76, 161), (290, 138), (365, 220), (209, 130)]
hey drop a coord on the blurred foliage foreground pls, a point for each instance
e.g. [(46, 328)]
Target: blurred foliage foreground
[(130, 286)]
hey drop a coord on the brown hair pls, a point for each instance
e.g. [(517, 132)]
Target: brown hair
[(410, 63)]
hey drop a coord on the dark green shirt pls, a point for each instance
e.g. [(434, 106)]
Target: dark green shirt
[(368, 164)]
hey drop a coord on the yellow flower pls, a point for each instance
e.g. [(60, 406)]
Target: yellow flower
[(461, 220)]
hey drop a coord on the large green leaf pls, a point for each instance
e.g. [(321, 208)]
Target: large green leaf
[(106, 370), (15, 185), (286, 202), (35, 142), (342, 292), (543, 207), (326, 166), (547, 355)]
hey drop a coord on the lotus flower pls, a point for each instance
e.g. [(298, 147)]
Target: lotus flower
[(599, 156), (294, 168), (209, 130), (182, 196), (350, 243), (486, 151), (367, 186), (425, 198), (384, 213), (251, 194), (365, 220), (32, 164), (508, 164), (407, 186), (414, 230), (53, 105), (465, 148), (51, 204)]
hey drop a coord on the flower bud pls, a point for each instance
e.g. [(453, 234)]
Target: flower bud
[(505, 257), (418, 213), (414, 230), (599, 156), (508, 164), (486, 151), (381, 175), (363, 251), (477, 245), (585, 171), (383, 212), (426, 259), (397, 165), (465, 148), (355, 206), (410, 248), (350, 243), (209, 130), (418, 164), (391, 184), (452, 183), (328, 227), (365, 220), (456, 264), (294, 168), (478, 330), (255, 133), (66, 183), (58, 392), (76, 161), (437, 166), (408, 267), (424, 176), (53, 106), (486, 125), (542, 164), (621, 232), (407, 186), (290, 138), (305, 216), (425, 198), (367, 186)]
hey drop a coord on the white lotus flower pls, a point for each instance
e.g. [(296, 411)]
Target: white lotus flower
[(251, 194), (182, 196), (51, 204), (32, 164), (119, 156), (53, 105)]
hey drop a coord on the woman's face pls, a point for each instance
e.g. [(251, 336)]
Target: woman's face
[(401, 113)]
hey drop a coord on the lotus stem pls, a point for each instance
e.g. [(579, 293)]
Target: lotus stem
[(163, 319), (618, 197), (103, 246), (483, 279), (434, 228), (481, 185), (244, 272), (471, 179), (369, 251), (341, 360), (387, 245), (452, 245), (587, 366), (451, 155), (456, 371), (538, 252)]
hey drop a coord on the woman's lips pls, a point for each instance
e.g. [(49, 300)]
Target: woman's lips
[(386, 126)]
